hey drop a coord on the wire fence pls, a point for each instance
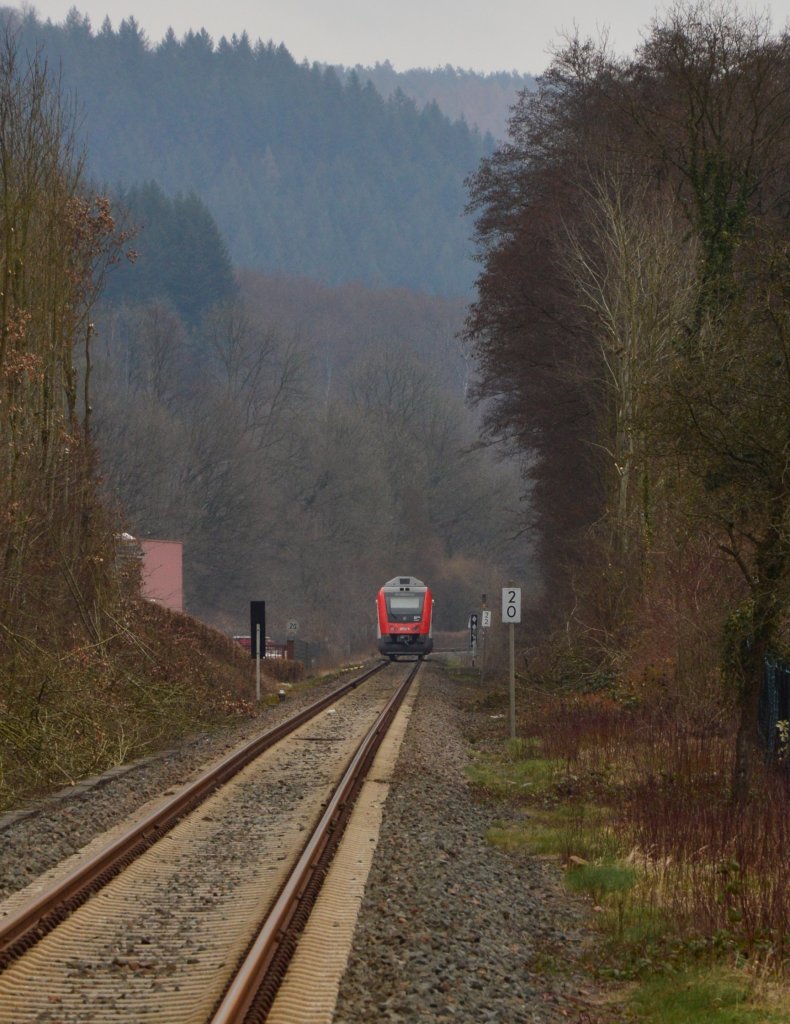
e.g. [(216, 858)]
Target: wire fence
[(309, 653), (774, 713)]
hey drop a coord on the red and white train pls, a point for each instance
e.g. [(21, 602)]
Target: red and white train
[(404, 609)]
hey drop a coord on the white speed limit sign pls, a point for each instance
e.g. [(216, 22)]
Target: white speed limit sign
[(511, 605)]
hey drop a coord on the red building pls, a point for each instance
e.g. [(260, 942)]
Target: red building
[(163, 572)]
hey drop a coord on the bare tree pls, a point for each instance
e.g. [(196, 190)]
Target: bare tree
[(633, 267), (597, 317), (55, 242)]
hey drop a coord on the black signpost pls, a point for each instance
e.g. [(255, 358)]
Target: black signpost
[(258, 640), (258, 628), (473, 635)]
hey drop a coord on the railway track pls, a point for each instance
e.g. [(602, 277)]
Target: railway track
[(153, 927)]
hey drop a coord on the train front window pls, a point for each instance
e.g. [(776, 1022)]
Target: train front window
[(405, 607)]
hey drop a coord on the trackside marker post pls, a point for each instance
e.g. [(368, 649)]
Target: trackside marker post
[(258, 663), (485, 622), (511, 614), (257, 634), (473, 635)]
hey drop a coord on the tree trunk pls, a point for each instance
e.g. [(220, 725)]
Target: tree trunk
[(747, 741), (753, 646)]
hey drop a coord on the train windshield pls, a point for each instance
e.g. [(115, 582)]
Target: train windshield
[(405, 606)]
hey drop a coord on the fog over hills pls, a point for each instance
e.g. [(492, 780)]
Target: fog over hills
[(484, 101), (332, 175)]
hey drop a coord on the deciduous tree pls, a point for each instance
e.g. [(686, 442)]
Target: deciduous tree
[(55, 241), (632, 310)]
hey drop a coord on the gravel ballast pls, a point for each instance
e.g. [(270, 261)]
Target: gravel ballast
[(37, 837), (450, 929)]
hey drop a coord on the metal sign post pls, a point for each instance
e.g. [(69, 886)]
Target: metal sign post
[(485, 622), (511, 614), (512, 663), (257, 636), (258, 663)]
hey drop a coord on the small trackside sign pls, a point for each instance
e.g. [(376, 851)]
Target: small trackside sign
[(511, 605)]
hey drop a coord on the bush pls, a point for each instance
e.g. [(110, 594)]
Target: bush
[(283, 670), (85, 706)]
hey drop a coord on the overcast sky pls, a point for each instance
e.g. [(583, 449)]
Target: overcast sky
[(484, 35)]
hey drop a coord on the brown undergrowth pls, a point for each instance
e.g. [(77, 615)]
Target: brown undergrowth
[(714, 872), (83, 705), (686, 889)]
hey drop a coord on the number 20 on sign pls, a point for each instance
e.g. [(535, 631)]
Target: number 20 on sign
[(511, 605)]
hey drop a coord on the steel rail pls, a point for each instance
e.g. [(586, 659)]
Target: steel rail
[(22, 929), (249, 996)]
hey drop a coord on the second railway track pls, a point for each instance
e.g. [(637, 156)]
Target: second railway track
[(161, 941)]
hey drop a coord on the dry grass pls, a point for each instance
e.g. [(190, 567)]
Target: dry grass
[(716, 870), (154, 678)]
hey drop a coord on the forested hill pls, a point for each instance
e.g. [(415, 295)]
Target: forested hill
[(303, 172), (483, 100)]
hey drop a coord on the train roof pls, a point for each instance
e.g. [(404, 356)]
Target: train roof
[(403, 583)]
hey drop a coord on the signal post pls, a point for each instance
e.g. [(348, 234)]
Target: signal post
[(485, 622), (511, 615)]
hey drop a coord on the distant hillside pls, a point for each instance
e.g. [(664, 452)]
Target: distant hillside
[(484, 101), (297, 440), (303, 172)]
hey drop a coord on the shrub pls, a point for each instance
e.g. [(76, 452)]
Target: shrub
[(284, 670)]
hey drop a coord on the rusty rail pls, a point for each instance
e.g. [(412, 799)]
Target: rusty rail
[(24, 928), (251, 993)]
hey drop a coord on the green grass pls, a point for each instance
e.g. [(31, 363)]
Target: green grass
[(715, 996), (673, 977), (513, 778), (536, 837), (601, 880), (570, 830)]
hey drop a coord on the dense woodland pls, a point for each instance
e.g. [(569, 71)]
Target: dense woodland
[(303, 172), (305, 442), (302, 440), (632, 335), (483, 101), (88, 672)]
